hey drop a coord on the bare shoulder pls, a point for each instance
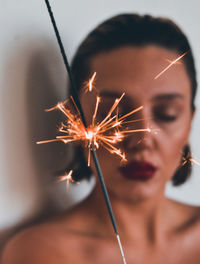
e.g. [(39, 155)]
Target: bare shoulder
[(51, 242), (187, 209), (29, 246), (187, 219), (183, 221), (38, 244)]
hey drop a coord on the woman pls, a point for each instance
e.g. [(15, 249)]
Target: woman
[(128, 52)]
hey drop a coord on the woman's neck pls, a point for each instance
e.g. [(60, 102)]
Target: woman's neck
[(141, 220)]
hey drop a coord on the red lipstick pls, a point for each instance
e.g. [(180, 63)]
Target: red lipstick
[(138, 170)]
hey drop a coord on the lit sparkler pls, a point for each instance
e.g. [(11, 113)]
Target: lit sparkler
[(106, 133), (170, 65)]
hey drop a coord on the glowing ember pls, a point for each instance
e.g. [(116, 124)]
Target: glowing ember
[(171, 63), (89, 135), (106, 133)]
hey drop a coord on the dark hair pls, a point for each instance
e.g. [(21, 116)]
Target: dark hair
[(133, 30)]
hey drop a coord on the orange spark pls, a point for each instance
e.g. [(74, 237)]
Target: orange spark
[(195, 161), (68, 178), (90, 85), (171, 63), (189, 159), (106, 133)]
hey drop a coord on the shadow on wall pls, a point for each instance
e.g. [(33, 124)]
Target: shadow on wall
[(46, 86), (34, 79)]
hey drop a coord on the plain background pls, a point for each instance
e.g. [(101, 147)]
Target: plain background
[(32, 78)]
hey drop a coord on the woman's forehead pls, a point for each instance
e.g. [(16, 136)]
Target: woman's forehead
[(134, 70)]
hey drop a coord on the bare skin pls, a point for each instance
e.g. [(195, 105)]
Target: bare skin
[(153, 229)]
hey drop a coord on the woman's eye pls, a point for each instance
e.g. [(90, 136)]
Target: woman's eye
[(166, 117), (165, 114)]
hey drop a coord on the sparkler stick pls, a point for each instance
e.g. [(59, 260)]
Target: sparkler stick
[(76, 98)]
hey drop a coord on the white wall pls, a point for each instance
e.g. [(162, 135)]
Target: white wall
[(32, 78)]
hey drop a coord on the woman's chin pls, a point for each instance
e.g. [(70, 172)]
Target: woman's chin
[(134, 193)]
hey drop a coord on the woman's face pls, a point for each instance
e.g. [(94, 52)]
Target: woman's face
[(152, 157)]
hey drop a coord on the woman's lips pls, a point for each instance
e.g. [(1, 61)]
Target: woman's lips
[(138, 170)]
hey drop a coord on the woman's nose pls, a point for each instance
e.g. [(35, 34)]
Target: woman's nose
[(142, 136)]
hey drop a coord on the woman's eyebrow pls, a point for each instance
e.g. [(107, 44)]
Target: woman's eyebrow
[(168, 96)]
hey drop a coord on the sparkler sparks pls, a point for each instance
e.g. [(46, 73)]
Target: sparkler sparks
[(68, 178), (106, 133), (192, 160), (170, 65), (189, 159), (90, 84)]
